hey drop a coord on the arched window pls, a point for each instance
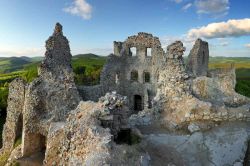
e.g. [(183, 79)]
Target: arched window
[(146, 77), (134, 75)]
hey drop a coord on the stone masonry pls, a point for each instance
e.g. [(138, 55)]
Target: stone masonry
[(137, 89), (198, 58)]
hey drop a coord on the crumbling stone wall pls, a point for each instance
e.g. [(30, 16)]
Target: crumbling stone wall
[(51, 96), (184, 99), (82, 140), (116, 74), (14, 120), (198, 59)]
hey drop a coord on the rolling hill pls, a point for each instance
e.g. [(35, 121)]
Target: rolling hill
[(87, 68)]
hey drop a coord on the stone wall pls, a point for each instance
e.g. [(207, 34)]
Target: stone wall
[(184, 99), (51, 96), (92, 93), (14, 120), (198, 58), (116, 74)]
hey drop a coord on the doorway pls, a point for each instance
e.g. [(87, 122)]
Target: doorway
[(138, 106)]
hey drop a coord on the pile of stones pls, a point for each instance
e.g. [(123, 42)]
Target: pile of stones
[(115, 112)]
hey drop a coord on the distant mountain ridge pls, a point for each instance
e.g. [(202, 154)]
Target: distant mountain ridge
[(11, 64)]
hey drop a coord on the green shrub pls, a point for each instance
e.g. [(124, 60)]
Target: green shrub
[(243, 87), (3, 158), (3, 98)]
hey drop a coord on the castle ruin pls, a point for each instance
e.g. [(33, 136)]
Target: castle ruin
[(73, 125)]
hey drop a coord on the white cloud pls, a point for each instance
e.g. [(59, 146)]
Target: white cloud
[(231, 28), (17, 51), (187, 6), (216, 8), (80, 8), (177, 1), (247, 45), (167, 40), (224, 44)]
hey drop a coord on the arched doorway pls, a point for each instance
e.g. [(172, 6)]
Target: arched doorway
[(138, 105)]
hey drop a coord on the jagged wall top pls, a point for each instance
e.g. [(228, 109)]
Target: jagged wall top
[(57, 53), (143, 39), (175, 50)]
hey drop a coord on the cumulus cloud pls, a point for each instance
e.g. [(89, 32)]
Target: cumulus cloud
[(187, 6), (80, 8), (247, 45), (231, 28), (213, 7)]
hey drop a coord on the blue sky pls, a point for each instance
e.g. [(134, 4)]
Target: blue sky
[(93, 25)]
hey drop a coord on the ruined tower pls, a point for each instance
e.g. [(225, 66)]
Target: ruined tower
[(51, 96), (198, 58)]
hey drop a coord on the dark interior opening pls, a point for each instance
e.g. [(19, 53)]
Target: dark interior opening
[(125, 136), (146, 77), (138, 103), (2, 122), (247, 155), (41, 154), (19, 128), (134, 75)]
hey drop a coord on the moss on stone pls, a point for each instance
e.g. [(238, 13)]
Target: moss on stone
[(4, 157), (18, 142)]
